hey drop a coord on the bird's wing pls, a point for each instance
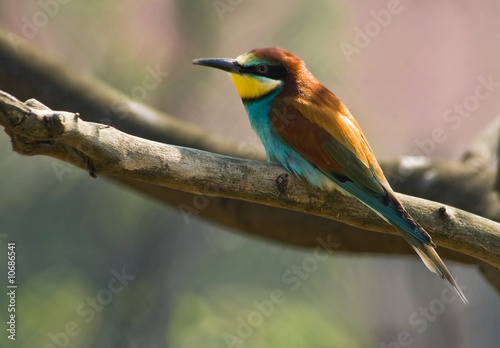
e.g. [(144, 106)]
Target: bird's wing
[(331, 139), (328, 112)]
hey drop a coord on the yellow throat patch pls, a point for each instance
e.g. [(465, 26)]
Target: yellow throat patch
[(250, 87)]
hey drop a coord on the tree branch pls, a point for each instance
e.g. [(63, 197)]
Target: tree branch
[(104, 150), (28, 73)]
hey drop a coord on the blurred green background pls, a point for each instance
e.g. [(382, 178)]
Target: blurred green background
[(193, 284)]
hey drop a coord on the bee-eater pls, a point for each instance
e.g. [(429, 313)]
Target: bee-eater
[(305, 128)]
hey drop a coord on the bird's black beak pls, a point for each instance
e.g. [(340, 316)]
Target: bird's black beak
[(229, 65)]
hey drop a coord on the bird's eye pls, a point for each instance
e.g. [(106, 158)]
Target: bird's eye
[(262, 68)]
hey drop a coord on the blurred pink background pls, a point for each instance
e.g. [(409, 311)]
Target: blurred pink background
[(428, 57)]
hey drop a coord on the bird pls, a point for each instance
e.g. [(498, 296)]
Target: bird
[(306, 129)]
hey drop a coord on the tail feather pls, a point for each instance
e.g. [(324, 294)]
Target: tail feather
[(389, 208), (432, 260)]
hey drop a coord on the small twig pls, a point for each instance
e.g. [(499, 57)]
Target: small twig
[(484, 148)]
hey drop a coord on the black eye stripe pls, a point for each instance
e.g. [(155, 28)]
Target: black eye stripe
[(276, 72)]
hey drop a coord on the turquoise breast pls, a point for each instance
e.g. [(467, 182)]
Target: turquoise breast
[(277, 150)]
